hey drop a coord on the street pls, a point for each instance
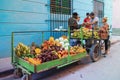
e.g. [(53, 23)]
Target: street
[(107, 68)]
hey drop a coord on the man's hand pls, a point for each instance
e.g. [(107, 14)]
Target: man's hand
[(93, 22)]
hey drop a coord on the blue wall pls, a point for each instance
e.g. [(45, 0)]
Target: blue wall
[(33, 15), (82, 7), (21, 15)]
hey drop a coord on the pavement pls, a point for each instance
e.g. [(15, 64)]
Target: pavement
[(6, 64), (107, 68), (115, 39), (7, 68)]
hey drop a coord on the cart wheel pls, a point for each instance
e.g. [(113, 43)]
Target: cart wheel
[(26, 77), (95, 52), (18, 73), (103, 48), (79, 62)]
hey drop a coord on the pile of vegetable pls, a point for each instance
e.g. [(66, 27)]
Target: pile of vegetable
[(51, 49)]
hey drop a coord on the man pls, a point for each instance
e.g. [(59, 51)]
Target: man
[(87, 21), (73, 21), (78, 19), (73, 24), (94, 21)]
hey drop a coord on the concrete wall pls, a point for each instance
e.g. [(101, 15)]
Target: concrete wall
[(116, 13)]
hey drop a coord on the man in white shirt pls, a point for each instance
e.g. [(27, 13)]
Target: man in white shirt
[(94, 21)]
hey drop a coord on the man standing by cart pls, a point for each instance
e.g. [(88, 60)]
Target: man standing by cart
[(73, 24), (87, 21), (94, 21), (73, 21)]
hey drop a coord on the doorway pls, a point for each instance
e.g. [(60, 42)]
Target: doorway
[(99, 10)]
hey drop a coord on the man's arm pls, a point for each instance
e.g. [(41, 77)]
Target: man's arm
[(95, 21), (72, 22)]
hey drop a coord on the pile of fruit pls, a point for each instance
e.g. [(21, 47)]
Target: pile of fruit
[(77, 49), (86, 33), (77, 34), (49, 50), (35, 61), (22, 50)]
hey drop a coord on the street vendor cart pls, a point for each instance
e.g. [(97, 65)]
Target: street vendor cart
[(52, 50)]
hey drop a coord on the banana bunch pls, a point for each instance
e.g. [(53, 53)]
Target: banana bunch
[(22, 49), (87, 33), (96, 35), (76, 34)]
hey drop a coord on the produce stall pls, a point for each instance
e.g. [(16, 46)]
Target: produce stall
[(52, 52)]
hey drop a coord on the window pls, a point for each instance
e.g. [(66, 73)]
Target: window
[(99, 10), (60, 6)]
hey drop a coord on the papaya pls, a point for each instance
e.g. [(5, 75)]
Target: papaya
[(37, 51), (34, 61), (64, 37), (51, 39)]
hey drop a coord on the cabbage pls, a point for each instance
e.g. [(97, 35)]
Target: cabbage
[(61, 39), (66, 48), (66, 44), (65, 40), (57, 40)]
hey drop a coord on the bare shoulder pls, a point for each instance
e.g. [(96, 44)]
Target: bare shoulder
[(106, 24)]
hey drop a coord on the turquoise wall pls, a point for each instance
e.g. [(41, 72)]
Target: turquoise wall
[(82, 7), (34, 15), (21, 15)]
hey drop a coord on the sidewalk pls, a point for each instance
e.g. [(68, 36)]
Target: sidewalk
[(7, 68), (115, 39)]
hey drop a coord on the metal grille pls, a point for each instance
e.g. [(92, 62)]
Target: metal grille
[(99, 10), (60, 12), (61, 6)]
